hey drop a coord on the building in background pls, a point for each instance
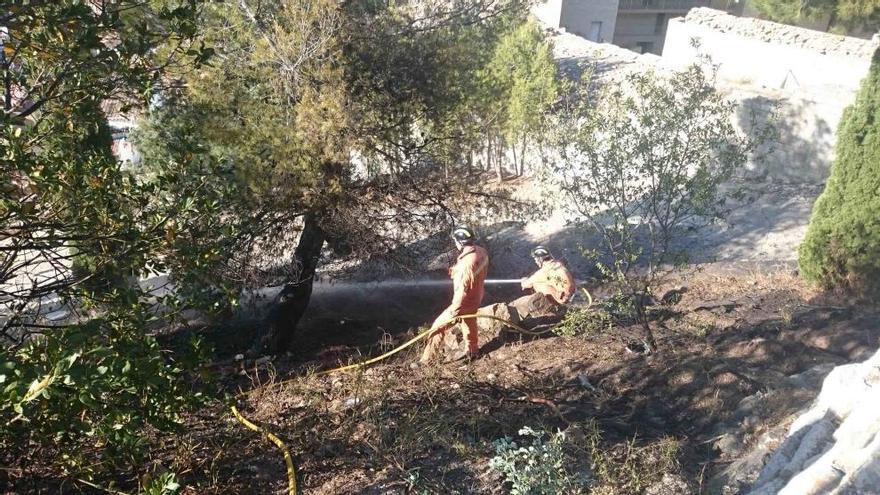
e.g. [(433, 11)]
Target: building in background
[(122, 121), (639, 25)]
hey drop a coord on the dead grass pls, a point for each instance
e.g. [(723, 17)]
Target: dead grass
[(713, 284), (630, 466)]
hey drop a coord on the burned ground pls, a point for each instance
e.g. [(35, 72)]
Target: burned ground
[(635, 421)]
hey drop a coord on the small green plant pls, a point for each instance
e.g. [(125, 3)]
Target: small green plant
[(786, 314), (580, 321), (414, 483), (538, 466), (164, 484), (703, 329)]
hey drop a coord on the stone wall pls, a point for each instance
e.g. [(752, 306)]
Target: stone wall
[(803, 79), (834, 446), (768, 54)]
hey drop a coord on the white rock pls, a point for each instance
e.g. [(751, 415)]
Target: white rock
[(833, 447)]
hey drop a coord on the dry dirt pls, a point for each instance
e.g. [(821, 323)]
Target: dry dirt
[(636, 421)]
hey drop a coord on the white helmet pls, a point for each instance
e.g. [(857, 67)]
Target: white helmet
[(463, 235)]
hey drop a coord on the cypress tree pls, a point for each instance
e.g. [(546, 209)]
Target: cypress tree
[(842, 245)]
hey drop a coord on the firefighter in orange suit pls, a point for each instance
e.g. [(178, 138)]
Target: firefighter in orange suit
[(468, 274), (553, 284)]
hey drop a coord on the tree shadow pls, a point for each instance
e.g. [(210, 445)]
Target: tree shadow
[(803, 146)]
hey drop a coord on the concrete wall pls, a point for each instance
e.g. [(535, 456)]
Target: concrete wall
[(548, 12), (807, 77), (633, 28), (641, 24), (577, 17)]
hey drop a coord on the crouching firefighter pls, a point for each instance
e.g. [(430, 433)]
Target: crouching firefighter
[(468, 275), (553, 287)]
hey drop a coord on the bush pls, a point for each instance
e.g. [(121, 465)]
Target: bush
[(538, 468), (842, 245), (579, 321), (98, 384)]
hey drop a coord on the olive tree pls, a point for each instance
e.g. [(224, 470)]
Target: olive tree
[(641, 163)]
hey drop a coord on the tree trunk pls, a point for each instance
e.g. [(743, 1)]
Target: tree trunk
[(293, 300), (488, 151), (522, 157), (832, 19), (642, 312), (515, 162), (499, 159)]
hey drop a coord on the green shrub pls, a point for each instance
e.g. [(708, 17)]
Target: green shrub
[(164, 484), (580, 321), (541, 467), (97, 384), (842, 245)]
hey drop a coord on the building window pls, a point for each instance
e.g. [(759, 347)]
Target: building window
[(645, 46), (596, 31)]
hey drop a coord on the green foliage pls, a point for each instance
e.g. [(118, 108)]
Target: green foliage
[(584, 321), (841, 15), (842, 244), (522, 78), (100, 383), (81, 390), (536, 466), (164, 484), (351, 116)]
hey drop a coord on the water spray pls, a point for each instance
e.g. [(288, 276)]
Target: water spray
[(415, 283), (411, 283)]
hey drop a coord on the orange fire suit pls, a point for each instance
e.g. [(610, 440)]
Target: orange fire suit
[(468, 275), (553, 280)]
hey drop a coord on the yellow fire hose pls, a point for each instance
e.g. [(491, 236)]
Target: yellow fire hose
[(288, 459)]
